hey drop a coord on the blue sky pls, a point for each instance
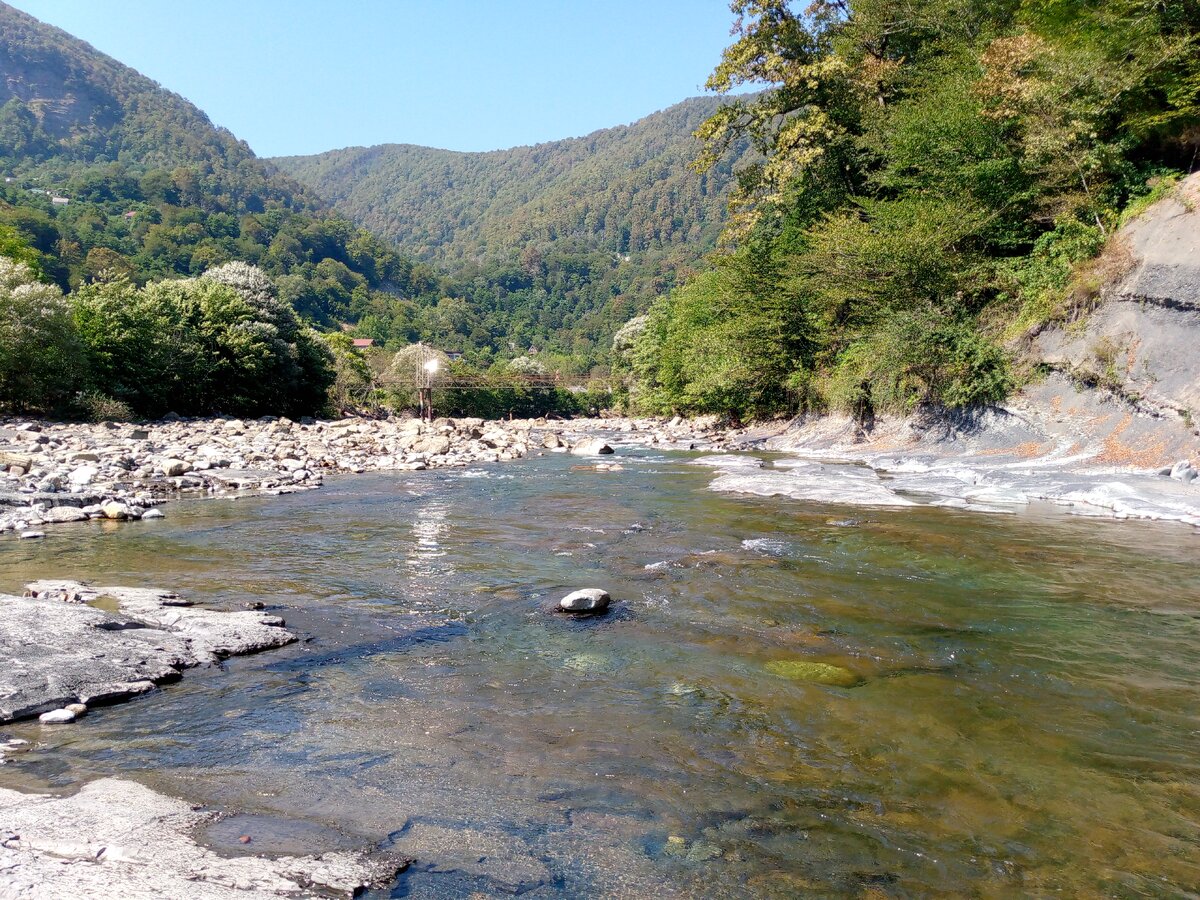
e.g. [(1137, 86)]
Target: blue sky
[(302, 76)]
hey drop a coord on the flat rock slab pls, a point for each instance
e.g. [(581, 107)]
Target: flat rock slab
[(117, 838), (61, 650)]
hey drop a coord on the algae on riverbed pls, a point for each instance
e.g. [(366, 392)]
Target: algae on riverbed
[(811, 670)]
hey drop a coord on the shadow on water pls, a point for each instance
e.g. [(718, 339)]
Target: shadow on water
[(787, 699)]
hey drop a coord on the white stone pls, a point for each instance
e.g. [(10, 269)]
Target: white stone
[(57, 717), (590, 600)]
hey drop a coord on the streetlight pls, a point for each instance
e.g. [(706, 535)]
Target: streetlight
[(430, 368)]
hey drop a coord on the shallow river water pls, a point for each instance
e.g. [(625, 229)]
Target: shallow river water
[(1026, 718)]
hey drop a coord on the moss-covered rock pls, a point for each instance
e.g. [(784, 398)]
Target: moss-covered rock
[(811, 670)]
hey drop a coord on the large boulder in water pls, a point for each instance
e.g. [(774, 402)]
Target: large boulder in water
[(588, 600), (591, 447)]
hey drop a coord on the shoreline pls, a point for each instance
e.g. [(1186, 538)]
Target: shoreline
[(60, 473), (1075, 448)]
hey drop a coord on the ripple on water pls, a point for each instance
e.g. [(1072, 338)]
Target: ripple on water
[(1025, 722)]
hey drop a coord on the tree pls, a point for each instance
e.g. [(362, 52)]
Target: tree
[(41, 362)]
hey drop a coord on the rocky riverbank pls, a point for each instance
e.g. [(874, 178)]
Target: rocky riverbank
[(70, 645), (54, 473), (116, 838)]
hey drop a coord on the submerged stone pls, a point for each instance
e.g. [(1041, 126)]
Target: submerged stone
[(811, 670)]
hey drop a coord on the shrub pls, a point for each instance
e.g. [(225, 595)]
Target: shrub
[(41, 360)]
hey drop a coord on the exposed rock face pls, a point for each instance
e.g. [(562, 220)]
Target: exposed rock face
[(116, 838), (1143, 339), (62, 651)]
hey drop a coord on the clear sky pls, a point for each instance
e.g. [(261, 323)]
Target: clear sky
[(302, 76)]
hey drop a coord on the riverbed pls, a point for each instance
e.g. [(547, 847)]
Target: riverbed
[(1021, 717)]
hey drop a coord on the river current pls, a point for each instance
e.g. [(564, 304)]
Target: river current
[(1021, 714)]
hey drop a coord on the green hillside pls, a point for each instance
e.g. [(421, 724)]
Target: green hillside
[(625, 190)]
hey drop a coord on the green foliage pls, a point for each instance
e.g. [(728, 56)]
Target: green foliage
[(156, 192), (14, 246), (41, 362), (726, 342), (199, 346), (917, 358), (624, 190), (551, 247), (926, 167), (1044, 276)]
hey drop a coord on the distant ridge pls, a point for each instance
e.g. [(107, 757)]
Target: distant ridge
[(625, 189)]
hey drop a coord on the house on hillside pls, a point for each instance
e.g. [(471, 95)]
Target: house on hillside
[(59, 201), (362, 343)]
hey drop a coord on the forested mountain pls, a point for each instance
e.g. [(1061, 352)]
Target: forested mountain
[(106, 170), (938, 180), (625, 190), (551, 247)]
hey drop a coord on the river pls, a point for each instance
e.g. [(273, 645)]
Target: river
[(1022, 713)]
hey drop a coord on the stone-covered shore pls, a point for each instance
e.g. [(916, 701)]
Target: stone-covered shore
[(54, 473)]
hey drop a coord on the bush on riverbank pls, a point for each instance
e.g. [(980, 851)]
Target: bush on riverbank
[(219, 343)]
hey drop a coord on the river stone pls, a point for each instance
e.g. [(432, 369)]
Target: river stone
[(588, 600), (115, 510), (175, 467), (61, 514), (591, 447), (432, 445), (57, 717), (83, 476), (32, 535), (1183, 471), (811, 670)]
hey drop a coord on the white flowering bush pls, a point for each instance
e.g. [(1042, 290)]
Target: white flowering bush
[(41, 360), (257, 289)]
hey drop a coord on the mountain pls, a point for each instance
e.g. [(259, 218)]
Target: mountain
[(623, 190), (64, 105), (106, 170)]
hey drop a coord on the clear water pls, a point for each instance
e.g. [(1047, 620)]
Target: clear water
[(1028, 721)]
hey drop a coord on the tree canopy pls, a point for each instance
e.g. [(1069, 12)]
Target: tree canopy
[(929, 172)]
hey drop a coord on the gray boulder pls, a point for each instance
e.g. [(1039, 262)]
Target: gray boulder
[(591, 447), (588, 600)]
